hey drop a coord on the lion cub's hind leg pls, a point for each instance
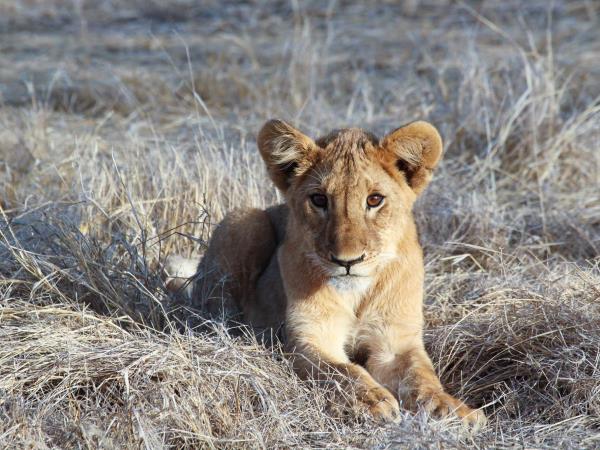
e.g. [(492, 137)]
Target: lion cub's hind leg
[(240, 249)]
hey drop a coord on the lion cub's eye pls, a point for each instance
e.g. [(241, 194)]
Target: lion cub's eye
[(374, 200), (319, 200)]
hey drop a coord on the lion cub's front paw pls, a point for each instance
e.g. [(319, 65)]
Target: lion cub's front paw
[(382, 405), (441, 404)]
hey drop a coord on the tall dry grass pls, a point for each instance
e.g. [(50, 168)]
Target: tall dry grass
[(127, 130)]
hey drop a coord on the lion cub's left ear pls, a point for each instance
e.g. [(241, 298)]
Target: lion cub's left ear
[(417, 148)]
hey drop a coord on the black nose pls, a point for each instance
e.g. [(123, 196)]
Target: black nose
[(347, 263)]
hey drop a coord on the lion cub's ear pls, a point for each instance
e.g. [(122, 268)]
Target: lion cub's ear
[(286, 151), (417, 148)]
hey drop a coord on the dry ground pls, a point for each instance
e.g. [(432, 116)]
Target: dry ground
[(127, 128)]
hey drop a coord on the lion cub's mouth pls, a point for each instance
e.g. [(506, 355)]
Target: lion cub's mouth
[(349, 275), (355, 272), (359, 271)]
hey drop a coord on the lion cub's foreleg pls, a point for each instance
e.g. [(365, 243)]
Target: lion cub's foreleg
[(409, 373), (317, 336)]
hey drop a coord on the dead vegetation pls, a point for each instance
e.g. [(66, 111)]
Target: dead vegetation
[(127, 129)]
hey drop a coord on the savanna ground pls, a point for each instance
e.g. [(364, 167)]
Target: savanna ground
[(127, 130)]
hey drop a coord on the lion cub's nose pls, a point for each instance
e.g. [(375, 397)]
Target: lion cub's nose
[(347, 263)]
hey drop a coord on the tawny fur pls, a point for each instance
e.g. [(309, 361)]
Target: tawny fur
[(280, 264)]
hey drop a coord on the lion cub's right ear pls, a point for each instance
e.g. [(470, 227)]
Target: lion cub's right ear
[(286, 151)]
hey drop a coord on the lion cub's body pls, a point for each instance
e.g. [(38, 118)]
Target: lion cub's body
[(340, 263)]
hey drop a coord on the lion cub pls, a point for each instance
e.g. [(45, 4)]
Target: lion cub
[(340, 262)]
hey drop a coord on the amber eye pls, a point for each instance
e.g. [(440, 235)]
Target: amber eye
[(319, 200), (374, 200)]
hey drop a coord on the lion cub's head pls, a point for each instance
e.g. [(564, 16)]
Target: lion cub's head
[(350, 194)]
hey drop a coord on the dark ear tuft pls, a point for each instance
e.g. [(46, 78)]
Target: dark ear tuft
[(406, 168), (417, 148), (289, 169)]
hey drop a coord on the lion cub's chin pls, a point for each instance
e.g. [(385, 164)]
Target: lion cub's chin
[(346, 284)]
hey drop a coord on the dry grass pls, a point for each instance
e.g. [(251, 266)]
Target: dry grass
[(127, 129)]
